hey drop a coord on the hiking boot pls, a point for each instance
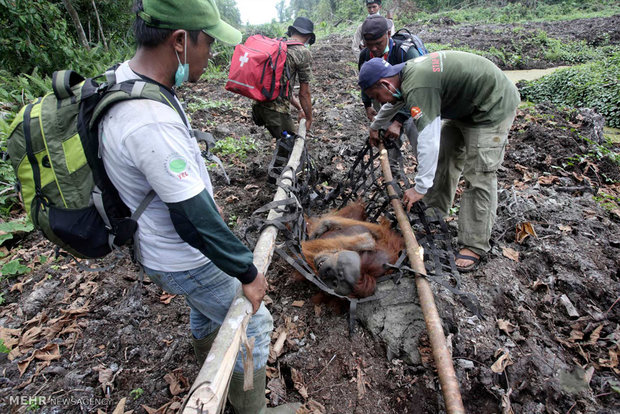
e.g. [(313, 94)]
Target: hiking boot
[(203, 346), (253, 401)]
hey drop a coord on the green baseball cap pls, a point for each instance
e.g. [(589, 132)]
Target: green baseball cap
[(189, 15)]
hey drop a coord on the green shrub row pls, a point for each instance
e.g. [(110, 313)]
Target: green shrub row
[(593, 85)]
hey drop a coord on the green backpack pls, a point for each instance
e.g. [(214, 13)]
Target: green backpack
[(53, 145)]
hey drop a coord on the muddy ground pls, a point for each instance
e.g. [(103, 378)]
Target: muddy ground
[(84, 341)]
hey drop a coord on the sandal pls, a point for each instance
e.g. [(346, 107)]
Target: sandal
[(470, 267)]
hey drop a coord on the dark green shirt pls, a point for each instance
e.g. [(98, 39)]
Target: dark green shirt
[(452, 85), (460, 86)]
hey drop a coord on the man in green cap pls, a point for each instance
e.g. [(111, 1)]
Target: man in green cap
[(478, 103), (186, 247)]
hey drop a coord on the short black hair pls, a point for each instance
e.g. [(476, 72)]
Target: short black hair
[(149, 36)]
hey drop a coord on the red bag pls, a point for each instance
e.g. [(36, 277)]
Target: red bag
[(257, 67)]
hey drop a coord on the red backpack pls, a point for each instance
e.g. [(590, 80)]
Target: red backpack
[(257, 67)]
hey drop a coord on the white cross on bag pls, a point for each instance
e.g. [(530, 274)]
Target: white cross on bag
[(244, 59)]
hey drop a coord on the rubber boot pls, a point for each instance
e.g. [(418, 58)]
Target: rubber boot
[(253, 401), (203, 346)]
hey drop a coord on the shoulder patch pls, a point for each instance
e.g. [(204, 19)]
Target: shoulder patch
[(416, 113), (176, 165)]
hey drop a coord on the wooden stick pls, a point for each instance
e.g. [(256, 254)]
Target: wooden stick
[(208, 392), (441, 354)]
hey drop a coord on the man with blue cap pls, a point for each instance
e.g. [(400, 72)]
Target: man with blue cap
[(478, 104), (186, 247)]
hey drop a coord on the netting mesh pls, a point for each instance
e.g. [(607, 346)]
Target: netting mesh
[(364, 181)]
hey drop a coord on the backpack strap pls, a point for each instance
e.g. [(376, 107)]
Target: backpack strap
[(269, 93), (135, 89), (63, 81), (39, 198)]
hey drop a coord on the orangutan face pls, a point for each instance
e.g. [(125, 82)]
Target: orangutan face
[(339, 270)]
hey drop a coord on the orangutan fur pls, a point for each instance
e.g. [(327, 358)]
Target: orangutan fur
[(346, 229)]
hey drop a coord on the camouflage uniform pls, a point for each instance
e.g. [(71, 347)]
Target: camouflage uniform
[(276, 115)]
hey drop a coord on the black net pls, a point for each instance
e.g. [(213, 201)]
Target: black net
[(363, 181)]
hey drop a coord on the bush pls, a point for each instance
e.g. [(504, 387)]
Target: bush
[(592, 85)]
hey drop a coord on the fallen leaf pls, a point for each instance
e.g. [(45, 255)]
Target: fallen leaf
[(30, 337), (510, 253), (506, 405), (298, 303), (315, 407), (120, 408), (250, 187), (524, 230), (548, 179), (566, 229), (595, 335), (177, 382), (502, 362), (49, 352), (298, 381), (575, 336), (166, 298), (22, 366), (361, 383), (19, 286), (149, 410), (10, 337), (505, 326), (232, 199)]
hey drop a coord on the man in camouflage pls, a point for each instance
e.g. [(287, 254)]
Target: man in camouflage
[(478, 104), (276, 115)]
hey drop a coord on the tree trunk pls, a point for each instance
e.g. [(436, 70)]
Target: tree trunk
[(105, 43), (77, 23)]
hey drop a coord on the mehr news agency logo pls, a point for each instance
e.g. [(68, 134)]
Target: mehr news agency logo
[(39, 401)]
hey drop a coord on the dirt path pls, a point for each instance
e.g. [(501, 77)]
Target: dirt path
[(83, 341)]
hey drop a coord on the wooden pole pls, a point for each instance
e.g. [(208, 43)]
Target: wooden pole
[(208, 392), (415, 253)]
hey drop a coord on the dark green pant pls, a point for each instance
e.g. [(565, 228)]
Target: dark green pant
[(475, 153), (275, 122)]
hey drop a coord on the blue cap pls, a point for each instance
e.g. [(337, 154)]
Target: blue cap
[(375, 69)]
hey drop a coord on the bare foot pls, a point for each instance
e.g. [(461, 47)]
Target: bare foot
[(462, 263)]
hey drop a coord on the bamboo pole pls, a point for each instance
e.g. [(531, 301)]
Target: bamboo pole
[(208, 392), (441, 354)]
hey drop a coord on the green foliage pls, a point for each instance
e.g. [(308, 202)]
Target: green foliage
[(7, 229), (33, 34), (238, 147), (3, 348), (607, 201), (14, 268), (514, 12), (200, 104), (229, 12), (593, 85), (136, 393)]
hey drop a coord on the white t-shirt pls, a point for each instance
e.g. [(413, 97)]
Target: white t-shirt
[(145, 145)]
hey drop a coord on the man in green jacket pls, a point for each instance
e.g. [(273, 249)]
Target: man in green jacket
[(478, 104)]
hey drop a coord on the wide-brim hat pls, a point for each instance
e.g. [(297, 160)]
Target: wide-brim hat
[(375, 69), (189, 15), (304, 26)]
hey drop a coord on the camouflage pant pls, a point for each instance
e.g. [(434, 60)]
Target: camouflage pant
[(275, 122), (475, 153)]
